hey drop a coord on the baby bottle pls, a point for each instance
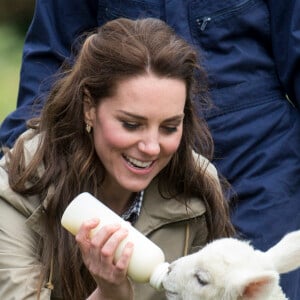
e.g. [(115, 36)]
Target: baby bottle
[(147, 263)]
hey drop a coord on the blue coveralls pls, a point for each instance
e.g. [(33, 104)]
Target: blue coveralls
[(251, 49)]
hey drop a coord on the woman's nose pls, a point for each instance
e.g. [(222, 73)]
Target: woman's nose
[(150, 145)]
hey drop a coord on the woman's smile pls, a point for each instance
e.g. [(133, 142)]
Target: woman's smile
[(139, 164)]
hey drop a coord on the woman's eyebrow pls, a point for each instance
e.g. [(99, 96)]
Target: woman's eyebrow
[(175, 118), (132, 115), (138, 117)]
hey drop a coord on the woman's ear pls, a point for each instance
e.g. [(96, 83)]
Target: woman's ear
[(89, 111)]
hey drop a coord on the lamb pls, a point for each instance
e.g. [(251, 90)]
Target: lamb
[(231, 269)]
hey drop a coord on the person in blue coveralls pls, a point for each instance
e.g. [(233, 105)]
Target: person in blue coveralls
[(251, 50)]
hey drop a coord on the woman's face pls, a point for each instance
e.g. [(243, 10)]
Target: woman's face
[(137, 130)]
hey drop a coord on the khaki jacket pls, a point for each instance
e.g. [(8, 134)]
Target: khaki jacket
[(177, 230)]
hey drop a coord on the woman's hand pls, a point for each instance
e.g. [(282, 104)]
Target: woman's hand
[(98, 256)]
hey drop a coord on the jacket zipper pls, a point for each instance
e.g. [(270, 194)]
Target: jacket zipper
[(203, 21)]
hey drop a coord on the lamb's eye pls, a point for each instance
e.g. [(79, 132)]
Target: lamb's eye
[(202, 278)]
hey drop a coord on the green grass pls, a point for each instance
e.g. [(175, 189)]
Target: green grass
[(11, 44)]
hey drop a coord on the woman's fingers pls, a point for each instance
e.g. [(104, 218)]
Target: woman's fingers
[(83, 237), (98, 251), (113, 242), (123, 262)]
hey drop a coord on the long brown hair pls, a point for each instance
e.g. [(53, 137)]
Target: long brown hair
[(118, 50)]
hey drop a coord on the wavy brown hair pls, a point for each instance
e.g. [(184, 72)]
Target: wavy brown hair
[(118, 50)]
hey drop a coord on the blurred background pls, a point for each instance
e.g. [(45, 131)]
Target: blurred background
[(15, 17)]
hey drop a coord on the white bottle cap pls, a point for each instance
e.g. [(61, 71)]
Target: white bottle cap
[(158, 275)]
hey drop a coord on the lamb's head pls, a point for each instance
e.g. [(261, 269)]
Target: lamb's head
[(226, 269)]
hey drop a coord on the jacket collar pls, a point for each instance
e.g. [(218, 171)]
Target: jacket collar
[(157, 211)]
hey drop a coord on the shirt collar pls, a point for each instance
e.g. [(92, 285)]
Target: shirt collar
[(133, 212)]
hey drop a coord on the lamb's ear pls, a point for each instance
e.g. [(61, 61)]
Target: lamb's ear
[(258, 285), (285, 255)]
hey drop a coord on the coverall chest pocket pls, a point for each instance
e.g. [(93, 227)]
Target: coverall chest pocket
[(233, 36), (213, 22)]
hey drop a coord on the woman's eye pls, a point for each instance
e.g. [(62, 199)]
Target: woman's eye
[(130, 125), (170, 129)]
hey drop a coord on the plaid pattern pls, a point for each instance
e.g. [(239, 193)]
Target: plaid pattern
[(134, 210)]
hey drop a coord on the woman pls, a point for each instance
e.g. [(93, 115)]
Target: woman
[(120, 124)]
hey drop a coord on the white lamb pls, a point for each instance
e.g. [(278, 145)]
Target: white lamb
[(230, 269)]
